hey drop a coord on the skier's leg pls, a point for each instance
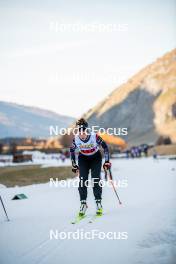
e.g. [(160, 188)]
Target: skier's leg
[(96, 164), (83, 177), (96, 176)]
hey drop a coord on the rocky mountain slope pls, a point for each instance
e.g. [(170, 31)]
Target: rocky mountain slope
[(146, 104)]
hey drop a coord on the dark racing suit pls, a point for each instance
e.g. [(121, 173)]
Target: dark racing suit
[(89, 158)]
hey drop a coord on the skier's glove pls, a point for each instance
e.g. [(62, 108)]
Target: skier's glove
[(75, 168), (107, 165)]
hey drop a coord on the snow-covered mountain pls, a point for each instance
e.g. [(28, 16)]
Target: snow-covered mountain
[(24, 121)]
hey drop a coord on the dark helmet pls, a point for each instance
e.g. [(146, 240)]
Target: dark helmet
[(82, 124)]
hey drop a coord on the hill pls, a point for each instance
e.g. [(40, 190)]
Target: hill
[(145, 104), (24, 121)]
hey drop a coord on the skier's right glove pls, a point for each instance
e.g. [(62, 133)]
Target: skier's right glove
[(75, 168), (107, 165)]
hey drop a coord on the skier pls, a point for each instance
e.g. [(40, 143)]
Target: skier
[(89, 158)]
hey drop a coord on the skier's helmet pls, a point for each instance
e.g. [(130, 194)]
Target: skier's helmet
[(82, 124)]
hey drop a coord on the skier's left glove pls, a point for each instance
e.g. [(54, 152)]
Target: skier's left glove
[(75, 168), (107, 165)]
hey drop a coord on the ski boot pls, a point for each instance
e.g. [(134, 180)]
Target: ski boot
[(83, 208), (99, 209)]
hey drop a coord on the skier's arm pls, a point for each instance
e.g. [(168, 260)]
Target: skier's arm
[(75, 167), (101, 142), (72, 152)]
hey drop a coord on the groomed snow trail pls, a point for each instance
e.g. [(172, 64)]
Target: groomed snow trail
[(147, 215)]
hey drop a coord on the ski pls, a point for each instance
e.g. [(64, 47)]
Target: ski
[(78, 219), (94, 218)]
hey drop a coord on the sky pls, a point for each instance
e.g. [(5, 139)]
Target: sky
[(66, 56)]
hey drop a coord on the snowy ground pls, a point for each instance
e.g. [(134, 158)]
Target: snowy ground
[(38, 158), (147, 215)]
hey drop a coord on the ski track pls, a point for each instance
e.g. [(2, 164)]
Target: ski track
[(54, 252), (147, 208), (47, 255), (41, 246), (39, 257)]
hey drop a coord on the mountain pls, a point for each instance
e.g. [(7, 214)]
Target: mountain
[(24, 121), (145, 104)]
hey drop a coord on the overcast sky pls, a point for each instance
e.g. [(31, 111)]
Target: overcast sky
[(66, 56)]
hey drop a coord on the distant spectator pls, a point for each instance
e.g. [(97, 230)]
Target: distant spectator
[(1, 148), (155, 154), (62, 157)]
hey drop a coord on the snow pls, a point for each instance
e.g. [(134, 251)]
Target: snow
[(147, 215), (38, 158), (2, 186)]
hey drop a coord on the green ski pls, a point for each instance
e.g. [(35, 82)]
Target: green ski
[(95, 217), (78, 219)]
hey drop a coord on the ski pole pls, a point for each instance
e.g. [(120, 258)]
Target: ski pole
[(4, 208), (112, 183)]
